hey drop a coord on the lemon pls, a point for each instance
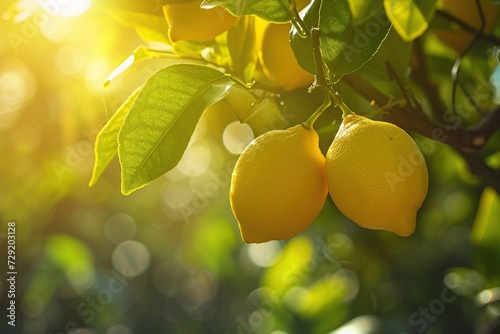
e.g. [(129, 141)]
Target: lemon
[(376, 175), (189, 22), (278, 60), (278, 185)]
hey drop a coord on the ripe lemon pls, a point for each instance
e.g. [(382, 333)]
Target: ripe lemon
[(376, 175), (189, 22), (278, 60), (278, 185)]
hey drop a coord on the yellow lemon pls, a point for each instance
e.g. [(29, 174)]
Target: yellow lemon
[(189, 22), (278, 60), (278, 185), (376, 175)]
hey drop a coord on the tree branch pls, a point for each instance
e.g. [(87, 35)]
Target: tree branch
[(414, 120), (490, 38), (419, 73), (477, 166)]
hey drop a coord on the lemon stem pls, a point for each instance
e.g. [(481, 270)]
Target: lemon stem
[(326, 103), (345, 109), (318, 59), (320, 79), (239, 82)]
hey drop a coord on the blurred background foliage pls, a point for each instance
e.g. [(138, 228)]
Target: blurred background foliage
[(169, 258)]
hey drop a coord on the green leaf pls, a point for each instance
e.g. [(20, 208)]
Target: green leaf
[(394, 51), (241, 44), (409, 17), (277, 11), (362, 10), (160, 123), (346, 47), (485, 236), (302, 47), (106, 144)]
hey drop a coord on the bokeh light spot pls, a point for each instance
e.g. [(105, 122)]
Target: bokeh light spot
[(70, 60), (120, 227), (119, 329), (177, 195), (56, 29), (264, 255), (457, 206), (196, 160), (17, 85), (73, 257), (81, 331), (130, 258), (96, 73), (361, 324), (237, 136)]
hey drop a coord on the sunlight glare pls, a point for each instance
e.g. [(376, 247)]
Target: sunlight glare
[(66, 8), (96, 72)]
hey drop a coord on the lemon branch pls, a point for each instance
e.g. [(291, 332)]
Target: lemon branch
[(323, 82), (466, 141), (319, 79), (487, 37)]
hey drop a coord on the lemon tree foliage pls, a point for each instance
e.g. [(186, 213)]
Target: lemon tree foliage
[(363, 10), (271, 10), (106, 144), (160, 122), (345, 46), (283, 50), (410, 17), (243, 51), (302, 45)]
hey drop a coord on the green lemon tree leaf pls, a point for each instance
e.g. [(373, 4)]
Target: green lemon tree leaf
[(346, 47), (362, 10), (485, 236), (158, 127), (106, 144), (302, 47), (394, 51), (409, 17), (277, 11)]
